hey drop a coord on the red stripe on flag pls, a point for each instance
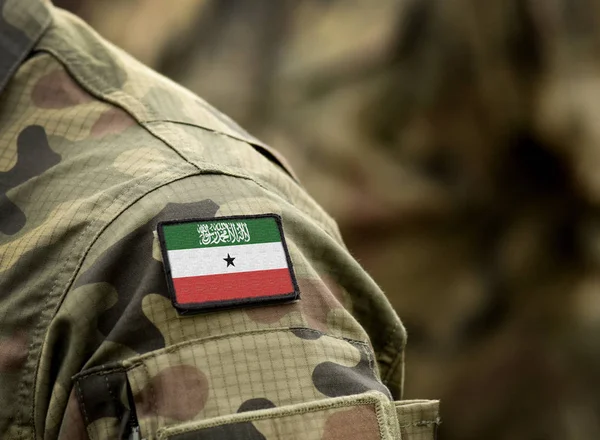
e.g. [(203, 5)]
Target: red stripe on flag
[(240, 285)]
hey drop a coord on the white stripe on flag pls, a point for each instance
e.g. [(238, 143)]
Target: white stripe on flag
[(209, 261)]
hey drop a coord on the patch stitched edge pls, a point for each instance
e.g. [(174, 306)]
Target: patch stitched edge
[(208, 306)]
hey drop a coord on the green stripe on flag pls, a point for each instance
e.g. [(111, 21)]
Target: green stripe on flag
[(193, 235)]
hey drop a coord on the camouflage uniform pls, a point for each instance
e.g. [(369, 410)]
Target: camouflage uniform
[(95, 150)]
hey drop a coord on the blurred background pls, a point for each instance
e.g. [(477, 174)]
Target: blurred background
[(456, 142)]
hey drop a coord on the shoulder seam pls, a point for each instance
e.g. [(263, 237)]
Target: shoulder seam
[(81, 81), (99, 89), (146, 126), (66, 62)]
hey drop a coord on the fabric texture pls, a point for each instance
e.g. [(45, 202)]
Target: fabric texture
[(95, 151)]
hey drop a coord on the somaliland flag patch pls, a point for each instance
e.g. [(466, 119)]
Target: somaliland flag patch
[(226, 262)]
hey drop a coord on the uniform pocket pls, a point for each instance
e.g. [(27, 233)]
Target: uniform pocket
[(226, 376), (368, 416)]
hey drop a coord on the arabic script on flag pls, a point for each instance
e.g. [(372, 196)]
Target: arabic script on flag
[(223, 232)]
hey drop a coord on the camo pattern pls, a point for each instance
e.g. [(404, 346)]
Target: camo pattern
[(468, 186), (95, 150), (369, 416)]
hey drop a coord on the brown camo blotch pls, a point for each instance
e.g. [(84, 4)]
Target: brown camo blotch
[(112, 121), (316, 301), (13, 352), (178, 393), (57, 90), (359, 422), (73, 426)]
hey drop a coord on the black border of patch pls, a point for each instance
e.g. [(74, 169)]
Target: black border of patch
[(185, 309)]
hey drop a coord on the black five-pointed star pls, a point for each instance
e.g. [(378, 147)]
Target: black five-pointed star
[(229, 260)]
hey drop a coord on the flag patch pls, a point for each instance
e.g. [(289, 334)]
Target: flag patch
[(226, 262)]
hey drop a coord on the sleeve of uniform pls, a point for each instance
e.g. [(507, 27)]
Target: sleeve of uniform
[(110, 357), (150, 368), (149, 371)]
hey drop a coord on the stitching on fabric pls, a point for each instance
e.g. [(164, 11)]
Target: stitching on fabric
[(124, 196), (140, 360), (422, 423), (82, 404), (45, 310), (68, 63), (66, 60), (256, 142), (38, 328), (251, 140), (380, 415), (277, 413), (397, 359), (93, 240), (98, 372), (97, 90), (342, 338), (189, 307), (114, 398), (176, 347)]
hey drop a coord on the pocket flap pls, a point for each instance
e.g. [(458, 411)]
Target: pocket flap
[(365, 416)]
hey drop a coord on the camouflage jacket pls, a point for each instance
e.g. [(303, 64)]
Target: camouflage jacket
[(95, 150)]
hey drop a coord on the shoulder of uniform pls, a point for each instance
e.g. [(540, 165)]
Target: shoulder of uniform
[(112, 75)]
